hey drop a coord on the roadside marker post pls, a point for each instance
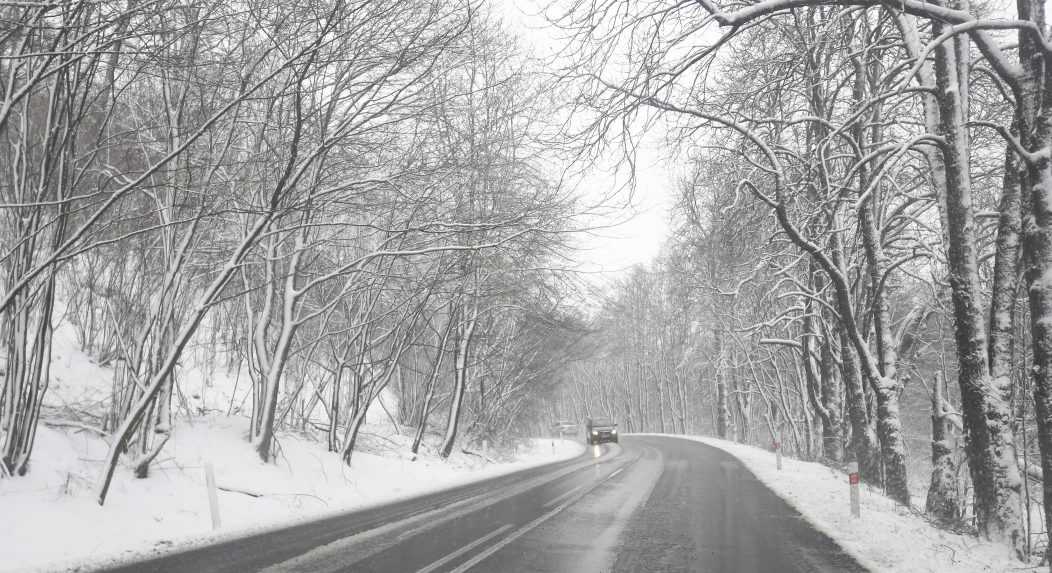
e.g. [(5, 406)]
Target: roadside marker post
[(776, 436), (852, 480), (213, 498)]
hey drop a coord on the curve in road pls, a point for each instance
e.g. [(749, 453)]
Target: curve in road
[(657, 504)]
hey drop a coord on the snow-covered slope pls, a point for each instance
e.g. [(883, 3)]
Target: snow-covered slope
[(52, 515), (51, 519), (888, 537)]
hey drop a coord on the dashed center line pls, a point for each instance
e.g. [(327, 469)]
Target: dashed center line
[(559, 499), (507, 540), (438, 564), (486, 553), (562, 502)]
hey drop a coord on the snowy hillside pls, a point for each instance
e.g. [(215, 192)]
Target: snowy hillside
[(60, 521)]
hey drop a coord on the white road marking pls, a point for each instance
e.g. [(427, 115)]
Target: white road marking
[(438, 564), (368, 543), (507, 540), (467, 565), (562, 497), (617, 472)]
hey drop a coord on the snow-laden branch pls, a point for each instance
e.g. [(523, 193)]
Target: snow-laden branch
[(899, 153), (961, 21), (975, 26), (781, 342), (1032, 157), (770, 7)]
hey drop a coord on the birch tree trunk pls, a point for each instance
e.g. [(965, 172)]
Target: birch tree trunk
[(461, 355)]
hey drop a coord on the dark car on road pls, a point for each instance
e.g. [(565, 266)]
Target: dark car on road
[(599, 431)]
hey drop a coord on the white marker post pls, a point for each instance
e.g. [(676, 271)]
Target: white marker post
[(776, 436), (213, 498), (852, 480)]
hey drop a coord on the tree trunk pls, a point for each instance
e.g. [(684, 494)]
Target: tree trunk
[(1037, 244), (991, 451), (334, 409), (942, 503), (863, 438), (1034, 115), (885, 382), (723, 410), (460, 375), (429, 390), (832, 432)]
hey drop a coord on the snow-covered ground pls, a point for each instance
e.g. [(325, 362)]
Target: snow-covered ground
[(888, 537), (52, 521)]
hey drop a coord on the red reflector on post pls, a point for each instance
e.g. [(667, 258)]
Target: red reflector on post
[(852, 478)]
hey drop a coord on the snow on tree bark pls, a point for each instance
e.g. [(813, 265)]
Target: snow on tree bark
[(942, 502), (989, 440), (863, 437), (462, 347), (832, 390)]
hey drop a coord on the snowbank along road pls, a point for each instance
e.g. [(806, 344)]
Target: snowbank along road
[(650, 504)]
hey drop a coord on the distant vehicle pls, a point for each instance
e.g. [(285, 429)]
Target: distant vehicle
[(599, 431)]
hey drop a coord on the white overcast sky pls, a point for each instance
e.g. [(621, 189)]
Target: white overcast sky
[(632, 234)]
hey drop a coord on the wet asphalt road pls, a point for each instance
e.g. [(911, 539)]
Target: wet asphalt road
[(652, 504)]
